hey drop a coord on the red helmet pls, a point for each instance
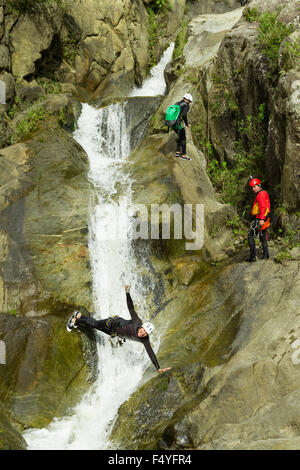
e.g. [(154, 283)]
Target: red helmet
[(254, 182)]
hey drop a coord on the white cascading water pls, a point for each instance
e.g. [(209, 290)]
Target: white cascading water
[(155, 84), (104, 136)]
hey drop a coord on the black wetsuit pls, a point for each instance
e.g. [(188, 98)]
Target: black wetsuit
[(180, 131), (123, 328)]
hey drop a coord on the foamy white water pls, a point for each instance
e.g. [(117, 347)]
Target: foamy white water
[(155, 84), (104, 136)]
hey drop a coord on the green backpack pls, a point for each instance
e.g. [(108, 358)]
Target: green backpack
[(172, 115)]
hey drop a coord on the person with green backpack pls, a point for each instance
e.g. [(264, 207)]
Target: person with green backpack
[(174, 115)]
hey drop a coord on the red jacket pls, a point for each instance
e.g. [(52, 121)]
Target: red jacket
[(261, 206)]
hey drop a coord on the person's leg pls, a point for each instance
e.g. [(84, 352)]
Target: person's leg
[(251, 241), (264, 242), (182, 141), (101, 325), (176, 129)]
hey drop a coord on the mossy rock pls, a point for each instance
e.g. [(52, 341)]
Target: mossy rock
[(10, 438), (45, 373), (44, 211), (202, 323)]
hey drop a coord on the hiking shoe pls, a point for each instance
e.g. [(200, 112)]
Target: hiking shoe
[(72, 321), (185, 157), (250, 260), (71, 325)]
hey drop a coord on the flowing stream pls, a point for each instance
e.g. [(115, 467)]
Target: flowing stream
[(104, 135)]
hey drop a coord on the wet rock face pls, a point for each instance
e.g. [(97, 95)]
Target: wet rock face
[(282, 159), (235, 367), (45, 373), (10, 438), (44, 220), (44, 274)]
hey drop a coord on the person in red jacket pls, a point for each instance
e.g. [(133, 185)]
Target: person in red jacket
[(261, 220)]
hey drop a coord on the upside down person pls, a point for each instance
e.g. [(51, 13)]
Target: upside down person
[(133, 329)]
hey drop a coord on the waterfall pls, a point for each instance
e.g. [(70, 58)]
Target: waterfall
[(104, 136), (155, 84)]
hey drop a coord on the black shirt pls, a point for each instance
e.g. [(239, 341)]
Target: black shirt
[(129, 329), (185, 107)]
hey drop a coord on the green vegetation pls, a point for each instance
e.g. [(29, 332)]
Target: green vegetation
[(14, 108), (290, 57), (157, 6), (152, 29), (62, 118), (238, 228), (223, 100), (180, 41), (271, 34), (22, 6), (251, 15), (29, 123), (284, 255), (70, 51), (156, 10), (49, 86), (248, 160), (12, 311)]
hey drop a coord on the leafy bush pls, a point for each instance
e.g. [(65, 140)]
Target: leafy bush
[(158, 5), (152, 30), (271, 34), (22, 6), (180, 41), (223, 100), (249, 159), (290, 56), (251, 14), (29, 123), (49, 86)]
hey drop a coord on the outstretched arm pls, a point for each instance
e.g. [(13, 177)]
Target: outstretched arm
[(130, 305), (153, 357), (151, 353)]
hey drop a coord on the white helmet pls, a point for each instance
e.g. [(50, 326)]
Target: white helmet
[(189, 97), (148, 327)]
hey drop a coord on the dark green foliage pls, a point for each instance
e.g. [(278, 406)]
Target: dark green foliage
[(158, 5), (29, 123), (230, 182), (21, 6), (271, 34)]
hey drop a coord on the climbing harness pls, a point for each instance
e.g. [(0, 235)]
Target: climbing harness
[(115, 341), (256, 228)]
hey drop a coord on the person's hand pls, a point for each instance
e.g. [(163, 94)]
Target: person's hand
[(127, 287), (160, 371), (261, 222)]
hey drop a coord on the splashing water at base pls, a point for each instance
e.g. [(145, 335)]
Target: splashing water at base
[(103, 135)]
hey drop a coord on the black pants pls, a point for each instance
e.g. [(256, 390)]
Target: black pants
[(181, 141), (105, 325), (263, 240), (243, 2)]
